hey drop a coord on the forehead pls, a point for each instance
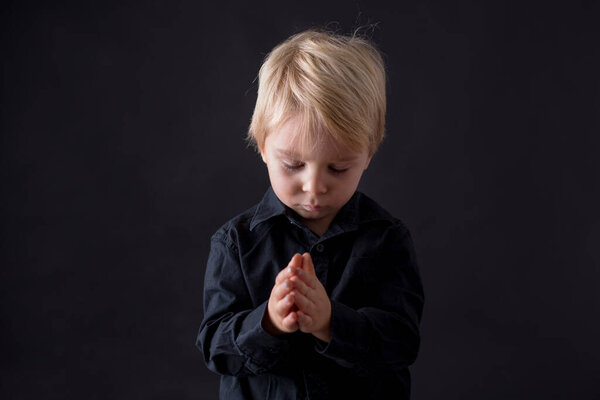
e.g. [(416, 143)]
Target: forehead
[(294, 141)]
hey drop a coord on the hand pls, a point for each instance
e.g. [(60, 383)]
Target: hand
[(314, 306), (281, 316)]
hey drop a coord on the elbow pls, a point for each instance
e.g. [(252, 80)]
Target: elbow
[(401, 350), (218, 359), (228, 365), (405, 353)]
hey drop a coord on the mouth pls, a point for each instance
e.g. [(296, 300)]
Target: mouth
[(309, 207)]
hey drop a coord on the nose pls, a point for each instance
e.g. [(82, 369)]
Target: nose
[(314, 183)]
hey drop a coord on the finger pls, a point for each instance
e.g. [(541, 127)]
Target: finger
[(294, 264), (307, 264), (296, 261), (308, 279), (304, 303), (304, 321), (290, 321), (300, 285), (280, 291), (278, 294), (285, 273), (285, 305)]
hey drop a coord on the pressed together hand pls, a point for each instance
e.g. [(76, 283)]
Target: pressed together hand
[(298, 301)]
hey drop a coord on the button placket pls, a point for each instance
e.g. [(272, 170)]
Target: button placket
[(320, 262)]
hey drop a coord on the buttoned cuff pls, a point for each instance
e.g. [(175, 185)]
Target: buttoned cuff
[(262, 350), (349, 336)]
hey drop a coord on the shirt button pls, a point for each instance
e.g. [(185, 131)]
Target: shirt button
[(320, 248)]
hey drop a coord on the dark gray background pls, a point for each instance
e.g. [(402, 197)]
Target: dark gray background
[(122, 152)]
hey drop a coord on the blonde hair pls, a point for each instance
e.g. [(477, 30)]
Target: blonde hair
[(335, 84)]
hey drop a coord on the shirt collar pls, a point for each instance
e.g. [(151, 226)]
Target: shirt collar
[(270, 206), (357, 210), (348, 218)]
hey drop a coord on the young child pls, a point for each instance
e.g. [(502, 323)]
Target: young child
[(314, 293)]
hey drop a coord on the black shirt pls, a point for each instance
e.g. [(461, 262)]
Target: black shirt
[(367, 265)]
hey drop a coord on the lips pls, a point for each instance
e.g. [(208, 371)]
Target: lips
[(309, 207)]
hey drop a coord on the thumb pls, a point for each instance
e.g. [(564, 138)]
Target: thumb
[(307, 264)]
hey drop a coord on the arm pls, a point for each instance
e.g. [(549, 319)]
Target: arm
[(232, 338), (382, 337)]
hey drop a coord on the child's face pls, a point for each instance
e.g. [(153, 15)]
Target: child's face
[(314, 184)]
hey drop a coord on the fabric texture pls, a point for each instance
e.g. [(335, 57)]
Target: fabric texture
[(366, 263)]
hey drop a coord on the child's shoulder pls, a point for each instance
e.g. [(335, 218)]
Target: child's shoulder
[(229, 231), (372, 213), (380, 234), (248, 224)]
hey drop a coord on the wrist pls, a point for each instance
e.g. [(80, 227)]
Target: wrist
[(323, 334), (268, 325)]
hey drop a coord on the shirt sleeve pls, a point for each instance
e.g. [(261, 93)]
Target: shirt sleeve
[(231, 336), (384, 336)]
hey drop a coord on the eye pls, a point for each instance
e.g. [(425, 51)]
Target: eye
[(292, 166), (338, 170)]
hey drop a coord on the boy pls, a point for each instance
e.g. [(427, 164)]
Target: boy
[(314, 292)]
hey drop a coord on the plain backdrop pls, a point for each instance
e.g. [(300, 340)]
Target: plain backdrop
[(122, 151)]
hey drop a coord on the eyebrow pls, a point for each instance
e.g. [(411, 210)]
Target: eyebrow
[(296, 156), (287, 153)]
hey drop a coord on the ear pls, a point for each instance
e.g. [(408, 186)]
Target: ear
[(262, 155), (368, 162)]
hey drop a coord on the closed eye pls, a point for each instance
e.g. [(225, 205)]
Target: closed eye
[(338, 170), (296, 167), (292, 167)]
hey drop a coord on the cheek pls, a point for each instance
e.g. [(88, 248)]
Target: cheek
[(284, 181), (352, 183)]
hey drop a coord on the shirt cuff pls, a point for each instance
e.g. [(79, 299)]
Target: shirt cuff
[(348, 343), (262, 350)]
